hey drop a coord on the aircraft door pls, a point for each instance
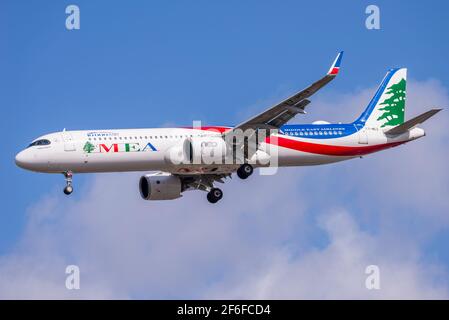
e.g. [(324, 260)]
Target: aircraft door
[(362, 133), (363, 137), (69, 144)]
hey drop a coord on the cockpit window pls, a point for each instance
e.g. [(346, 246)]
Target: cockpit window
[(41, 142)]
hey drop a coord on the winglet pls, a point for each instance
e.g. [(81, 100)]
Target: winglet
[(335, 68)]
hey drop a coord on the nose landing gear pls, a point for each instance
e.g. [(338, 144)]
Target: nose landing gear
[(68, 179)]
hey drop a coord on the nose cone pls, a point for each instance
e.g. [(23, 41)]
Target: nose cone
[(31, 160), (23, 159)]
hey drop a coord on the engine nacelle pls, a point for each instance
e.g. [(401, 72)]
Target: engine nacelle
[(160, 186), (207, 150)]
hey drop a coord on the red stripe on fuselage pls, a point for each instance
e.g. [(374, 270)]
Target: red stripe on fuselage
[(329, 150), (210, 128)]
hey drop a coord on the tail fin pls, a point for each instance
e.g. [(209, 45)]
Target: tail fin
[(387, 108)]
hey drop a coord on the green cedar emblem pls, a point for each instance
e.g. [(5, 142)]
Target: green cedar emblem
[(394, 106), (88, 147)]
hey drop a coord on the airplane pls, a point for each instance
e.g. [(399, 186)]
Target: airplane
[(381, 126)]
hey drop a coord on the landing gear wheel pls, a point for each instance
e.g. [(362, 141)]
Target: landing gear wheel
[(245, 171), (68, 180), (68, 190), (214, 195)]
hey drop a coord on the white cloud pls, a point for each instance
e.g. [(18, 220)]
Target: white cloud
[(337, 271), (261, 240)]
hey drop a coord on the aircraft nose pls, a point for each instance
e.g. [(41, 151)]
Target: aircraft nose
[(23, 158)]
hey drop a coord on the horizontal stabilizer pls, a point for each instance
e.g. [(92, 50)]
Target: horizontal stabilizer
[(412, 122)]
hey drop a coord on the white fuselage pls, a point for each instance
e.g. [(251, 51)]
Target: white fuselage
[(148, 149)]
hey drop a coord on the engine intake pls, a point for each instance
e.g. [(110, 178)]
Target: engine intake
[(160, 186)]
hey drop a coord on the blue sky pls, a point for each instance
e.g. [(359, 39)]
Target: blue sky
[(150, 64)]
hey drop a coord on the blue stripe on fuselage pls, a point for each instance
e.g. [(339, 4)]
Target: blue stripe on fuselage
[(318, 131)]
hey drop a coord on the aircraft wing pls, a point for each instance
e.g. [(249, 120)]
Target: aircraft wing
[(203, 181), (282, 112)]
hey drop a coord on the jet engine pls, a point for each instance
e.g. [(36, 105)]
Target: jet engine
[(207, 150), (160, 186)]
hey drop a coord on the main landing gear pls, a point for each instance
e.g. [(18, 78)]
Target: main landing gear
[(214, 195), (68, 180), (245, 171)]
